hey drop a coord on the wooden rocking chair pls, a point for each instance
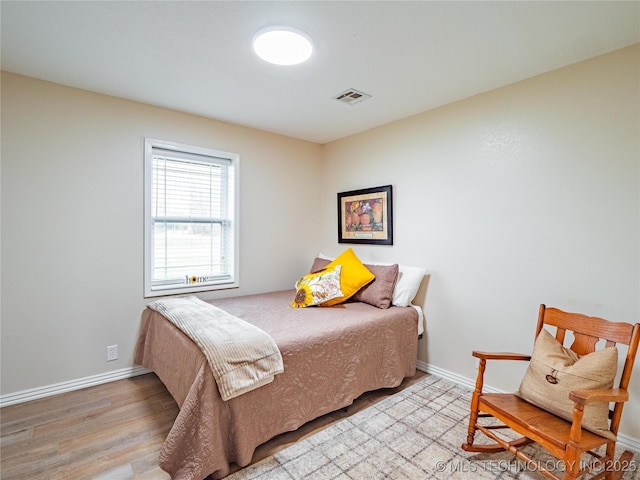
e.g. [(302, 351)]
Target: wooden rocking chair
[(565, 440)]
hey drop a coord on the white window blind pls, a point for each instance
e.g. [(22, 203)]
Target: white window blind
[(190, 219)]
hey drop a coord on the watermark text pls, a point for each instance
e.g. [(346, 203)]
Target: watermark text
[(514, 465)]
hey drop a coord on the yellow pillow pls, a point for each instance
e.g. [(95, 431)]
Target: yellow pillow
[(353, 277), (316, 288)]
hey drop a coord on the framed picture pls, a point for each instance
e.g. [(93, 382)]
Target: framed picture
[(365, 216)]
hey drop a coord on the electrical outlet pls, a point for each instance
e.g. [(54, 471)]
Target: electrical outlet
[(112, 353)]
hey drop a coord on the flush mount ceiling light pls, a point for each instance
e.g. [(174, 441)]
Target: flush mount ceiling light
[(282, 45)]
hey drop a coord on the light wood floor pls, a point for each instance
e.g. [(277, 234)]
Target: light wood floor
[(114, 432)]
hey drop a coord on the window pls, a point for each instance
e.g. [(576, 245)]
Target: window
[(191, 226)]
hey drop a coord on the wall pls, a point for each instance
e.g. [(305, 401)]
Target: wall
[(524, 195), (519, 196), (72, 222)]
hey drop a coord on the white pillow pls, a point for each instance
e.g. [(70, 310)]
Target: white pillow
[(407, 285)]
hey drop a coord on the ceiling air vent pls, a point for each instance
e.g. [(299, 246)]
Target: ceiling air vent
[(351, 96)]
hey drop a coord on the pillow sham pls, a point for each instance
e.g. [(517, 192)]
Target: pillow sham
[(407, 285), (555, 370), (315, 288), (319, 264), (353, 276), (379, 292)]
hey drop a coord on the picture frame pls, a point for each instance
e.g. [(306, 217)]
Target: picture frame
[(366, 216)]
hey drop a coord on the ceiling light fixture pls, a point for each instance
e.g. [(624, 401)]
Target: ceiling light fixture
[(282, 45)]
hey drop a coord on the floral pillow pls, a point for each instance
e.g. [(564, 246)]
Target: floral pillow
[(319, 287)]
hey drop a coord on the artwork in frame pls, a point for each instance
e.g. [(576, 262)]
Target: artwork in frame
[(365, 216)]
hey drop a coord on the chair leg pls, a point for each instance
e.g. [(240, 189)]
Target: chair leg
[(572, 463), (475, 402), (473, 418), (570, 473), (611, 455), (617, 468)]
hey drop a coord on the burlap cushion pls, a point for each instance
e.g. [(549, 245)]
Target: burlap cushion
[(554, 371)]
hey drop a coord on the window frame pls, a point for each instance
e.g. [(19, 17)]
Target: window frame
[(151, 290)]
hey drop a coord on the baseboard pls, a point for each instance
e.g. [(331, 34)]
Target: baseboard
[(63, 387), (625, 441)]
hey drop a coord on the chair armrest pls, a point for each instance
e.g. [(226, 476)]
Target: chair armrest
[(484, 356), (584, 397), (500, 355)]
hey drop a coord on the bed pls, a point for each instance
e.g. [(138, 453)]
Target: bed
[(330, 356)]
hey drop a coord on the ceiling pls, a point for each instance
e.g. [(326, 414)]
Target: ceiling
[(196, 57)]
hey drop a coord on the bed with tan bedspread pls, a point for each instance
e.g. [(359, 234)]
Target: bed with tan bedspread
[(331, 355)]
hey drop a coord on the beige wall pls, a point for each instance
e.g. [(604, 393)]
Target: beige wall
[(524, 195), (72, 218), (519, 196)]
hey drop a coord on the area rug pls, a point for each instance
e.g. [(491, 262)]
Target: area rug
[(415, 434)]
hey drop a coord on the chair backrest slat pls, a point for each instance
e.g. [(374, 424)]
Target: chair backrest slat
[(583, 344)]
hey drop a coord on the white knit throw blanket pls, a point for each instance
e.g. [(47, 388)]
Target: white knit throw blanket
[(242, 356)]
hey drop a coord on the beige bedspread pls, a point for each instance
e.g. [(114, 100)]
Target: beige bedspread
[(331, 356)]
